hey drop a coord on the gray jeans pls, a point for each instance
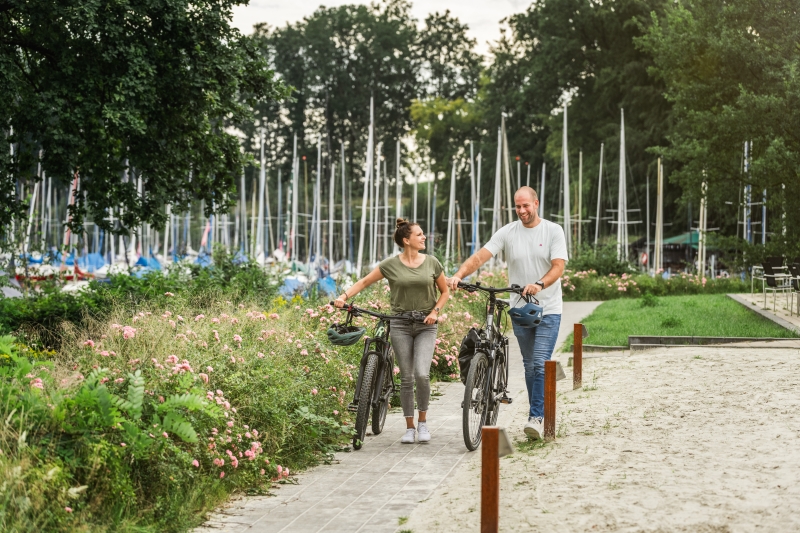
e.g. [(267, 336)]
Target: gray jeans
[(413, 345)]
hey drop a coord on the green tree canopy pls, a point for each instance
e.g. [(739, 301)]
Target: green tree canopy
[(732, 72), (337, 59), (582, 52), (115, 91)]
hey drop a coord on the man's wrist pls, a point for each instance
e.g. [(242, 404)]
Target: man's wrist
[(540, 283)]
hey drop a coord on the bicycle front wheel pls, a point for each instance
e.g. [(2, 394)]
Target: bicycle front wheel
[(475, 400), (379, 412), (365, 399)]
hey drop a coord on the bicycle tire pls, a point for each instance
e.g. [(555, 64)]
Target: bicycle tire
[(474, 408), (364, 400), (379, 412), (498, 386)]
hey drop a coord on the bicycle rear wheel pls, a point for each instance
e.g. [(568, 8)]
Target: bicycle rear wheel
[(365, 399), (379, 412), (474, 404)]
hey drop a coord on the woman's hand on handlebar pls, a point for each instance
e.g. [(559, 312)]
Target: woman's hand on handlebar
[(339, 302)]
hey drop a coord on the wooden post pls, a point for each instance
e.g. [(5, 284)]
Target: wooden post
[(577, 356), (490, 479), (549, 400)]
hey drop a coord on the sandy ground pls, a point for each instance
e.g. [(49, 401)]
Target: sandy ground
[(681, 439)]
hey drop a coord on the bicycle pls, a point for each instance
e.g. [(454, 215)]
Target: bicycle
[(487, 377), (376, 371)]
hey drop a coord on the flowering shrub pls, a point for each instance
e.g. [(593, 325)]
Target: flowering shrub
[(143, 404), (588, 285), (147, 417)]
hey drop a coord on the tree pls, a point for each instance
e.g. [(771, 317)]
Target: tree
[(114, 91), (450, 67), (337, 59), (581, 52), (732, 73)]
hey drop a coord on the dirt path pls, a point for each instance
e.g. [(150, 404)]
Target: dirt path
[(682, 439)]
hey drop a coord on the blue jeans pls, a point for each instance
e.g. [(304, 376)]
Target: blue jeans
[(537, 345)]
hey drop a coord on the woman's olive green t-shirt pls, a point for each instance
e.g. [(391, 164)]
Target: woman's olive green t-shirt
[(413, 289)]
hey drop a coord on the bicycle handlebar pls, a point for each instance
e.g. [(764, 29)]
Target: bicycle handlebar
[(516, 289), (470, 287), (356, 311)]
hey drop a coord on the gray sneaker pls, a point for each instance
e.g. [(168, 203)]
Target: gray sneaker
[(534, 429), (408, 438), (423, 434)]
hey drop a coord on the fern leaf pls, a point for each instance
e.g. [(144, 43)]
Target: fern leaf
[(192, 402), (136, 394), (176, 424), (94, 376)]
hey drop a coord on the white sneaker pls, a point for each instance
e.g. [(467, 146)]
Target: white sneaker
[(534, 429), (423, 434), (408, 438)]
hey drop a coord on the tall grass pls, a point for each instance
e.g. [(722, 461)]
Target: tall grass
[(149, 415)]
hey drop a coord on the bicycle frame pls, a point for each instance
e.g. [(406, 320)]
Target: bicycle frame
[(496, 340), (491, 339), (380, 344)]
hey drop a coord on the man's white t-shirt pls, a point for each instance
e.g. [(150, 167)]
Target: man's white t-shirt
[(529, 253)]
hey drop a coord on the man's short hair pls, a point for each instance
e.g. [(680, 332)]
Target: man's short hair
[(528, 190)]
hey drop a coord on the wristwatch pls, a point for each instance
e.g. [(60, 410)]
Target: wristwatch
[(540, 283), (437, 309)]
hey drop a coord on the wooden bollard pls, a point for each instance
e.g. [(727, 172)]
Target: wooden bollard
[(549, 400), (577, 356), (490, 479)]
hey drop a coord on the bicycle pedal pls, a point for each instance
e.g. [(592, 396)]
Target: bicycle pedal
[(506, 400), (353, 408)]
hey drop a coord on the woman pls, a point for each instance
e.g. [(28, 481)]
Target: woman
[(413, 280)]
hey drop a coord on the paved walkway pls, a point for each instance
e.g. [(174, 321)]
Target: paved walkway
[(371, 489), (782, 313)]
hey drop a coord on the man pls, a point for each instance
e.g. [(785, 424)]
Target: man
[(536, 253)]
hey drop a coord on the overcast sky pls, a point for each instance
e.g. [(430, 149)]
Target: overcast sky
[(482, 16)]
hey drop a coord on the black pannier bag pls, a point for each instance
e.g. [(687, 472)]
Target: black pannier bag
[(466, 352)]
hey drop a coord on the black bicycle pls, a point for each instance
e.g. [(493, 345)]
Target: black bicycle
[(487, 376), (375, 385)]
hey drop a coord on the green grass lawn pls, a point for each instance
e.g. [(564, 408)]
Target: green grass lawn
[(705, 315)]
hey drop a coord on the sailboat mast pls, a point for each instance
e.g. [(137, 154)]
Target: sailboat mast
[(599, 196), (565, 166), (367, 187)]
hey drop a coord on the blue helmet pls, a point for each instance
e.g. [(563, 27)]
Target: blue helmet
[(529, 315)]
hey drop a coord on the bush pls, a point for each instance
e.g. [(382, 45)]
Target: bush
[(148, 401), (588, 285), (603, 260), (48, 307)]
